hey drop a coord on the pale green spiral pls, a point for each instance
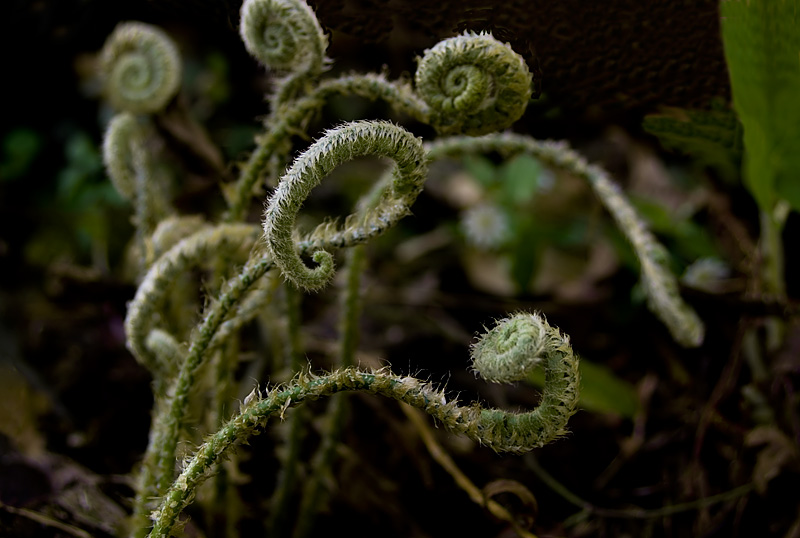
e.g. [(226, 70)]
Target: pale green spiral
[(510, 350), (123, 153), (283, 35), (473, 84), (501, 430), (142, 68), (357, 139)]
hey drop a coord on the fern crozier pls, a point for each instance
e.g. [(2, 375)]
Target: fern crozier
[(473, 84), (142, 68)]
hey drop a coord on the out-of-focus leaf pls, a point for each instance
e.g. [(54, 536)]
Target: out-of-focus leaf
[(84, 165), (691, 240), (711, 137), (481, 169), (525, 250), (601, 390), (762, 46), (520, 179), (19, 150)]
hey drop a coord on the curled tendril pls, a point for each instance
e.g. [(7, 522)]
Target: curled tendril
[(283, 34), (473, 84), (358, 139), (123, 153), (142, 68), (501, 430)]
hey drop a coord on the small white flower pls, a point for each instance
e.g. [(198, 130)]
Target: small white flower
[(706, 274), (485, 226)]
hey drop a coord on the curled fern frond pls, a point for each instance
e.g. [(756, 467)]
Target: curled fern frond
[(123, 153), (660, 285), (510, 350), (193, 250), (357, 139), (473, 84), (142, 68), (501, 430), (283, 35)]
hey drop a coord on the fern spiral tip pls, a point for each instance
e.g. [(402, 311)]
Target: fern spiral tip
[(473, 84), (123, 135), (356, 139), (513, 347), (283, 35), (142, 68)]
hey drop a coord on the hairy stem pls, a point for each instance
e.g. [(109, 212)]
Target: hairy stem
[(659, 283), (501, 430)]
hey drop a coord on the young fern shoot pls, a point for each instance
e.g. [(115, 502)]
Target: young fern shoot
[(525, 339), (468, 86)]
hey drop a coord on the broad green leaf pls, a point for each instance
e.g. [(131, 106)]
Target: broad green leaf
[(601, 390), (761, 39)]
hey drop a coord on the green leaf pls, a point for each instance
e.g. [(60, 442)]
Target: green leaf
[(19, 150), (520, 179), (691, 241), (481, 169), (601, 390), (761, 39), (525, 250), (711, 137)]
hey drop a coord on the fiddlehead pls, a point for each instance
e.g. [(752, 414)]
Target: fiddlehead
[(283, 35), (473, 84), (510, 350), (124, 154), (353, 140), (193, 250), (142, 68), (130, 167), (501, 430)]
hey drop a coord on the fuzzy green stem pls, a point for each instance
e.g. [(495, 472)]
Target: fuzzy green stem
[(289, 119), (501, 430), (660, 285), (340, 145), (159, 461), (193, 250), (337, 409), (287, 476), (130, 168)]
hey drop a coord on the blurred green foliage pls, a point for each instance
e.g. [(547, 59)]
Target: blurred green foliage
[(20, 148), (601, 390), (80, 213)]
